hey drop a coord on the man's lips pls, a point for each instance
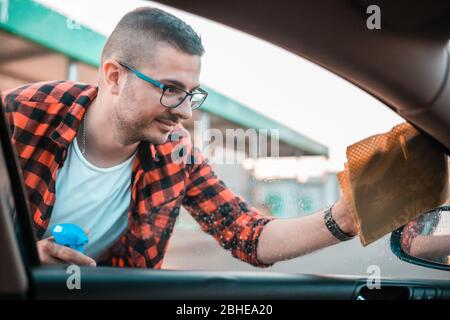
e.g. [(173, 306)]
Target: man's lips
[(166, 125)]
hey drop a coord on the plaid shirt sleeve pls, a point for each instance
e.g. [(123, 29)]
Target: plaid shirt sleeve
[(222, 214)]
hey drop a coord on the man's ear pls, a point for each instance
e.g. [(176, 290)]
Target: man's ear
[(113, 75)]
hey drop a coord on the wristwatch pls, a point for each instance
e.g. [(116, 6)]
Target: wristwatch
[(333, 227)]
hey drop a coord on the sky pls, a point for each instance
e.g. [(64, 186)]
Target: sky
[(304, 96)]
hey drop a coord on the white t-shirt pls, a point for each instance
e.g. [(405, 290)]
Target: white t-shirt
[(94, 198)]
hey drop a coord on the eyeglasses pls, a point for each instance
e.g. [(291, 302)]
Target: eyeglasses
[(171, 96)]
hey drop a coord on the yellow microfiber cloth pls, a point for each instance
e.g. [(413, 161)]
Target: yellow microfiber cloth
[(391, 178)]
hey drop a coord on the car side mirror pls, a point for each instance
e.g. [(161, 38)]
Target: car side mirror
[(426, 240)]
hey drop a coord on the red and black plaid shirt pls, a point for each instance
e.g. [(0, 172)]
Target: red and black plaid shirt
[(44, 119)]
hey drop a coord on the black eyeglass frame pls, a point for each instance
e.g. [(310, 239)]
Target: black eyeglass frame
[(165, 87)]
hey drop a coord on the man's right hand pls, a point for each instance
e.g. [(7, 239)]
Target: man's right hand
[(53, 253)]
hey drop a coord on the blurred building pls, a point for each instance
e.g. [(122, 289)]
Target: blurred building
[(295, 187)]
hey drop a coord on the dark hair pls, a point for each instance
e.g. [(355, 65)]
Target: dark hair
[(143, 29)]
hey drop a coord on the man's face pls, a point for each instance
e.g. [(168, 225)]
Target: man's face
[(138, 112)]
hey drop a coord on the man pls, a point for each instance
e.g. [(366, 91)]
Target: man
[(103, 157)]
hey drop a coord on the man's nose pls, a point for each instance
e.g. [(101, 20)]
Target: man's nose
[(184, 110)]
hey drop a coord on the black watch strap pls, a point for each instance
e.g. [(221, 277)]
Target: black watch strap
[(333, 227)]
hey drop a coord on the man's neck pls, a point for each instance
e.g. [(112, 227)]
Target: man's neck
[(103, 147)]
